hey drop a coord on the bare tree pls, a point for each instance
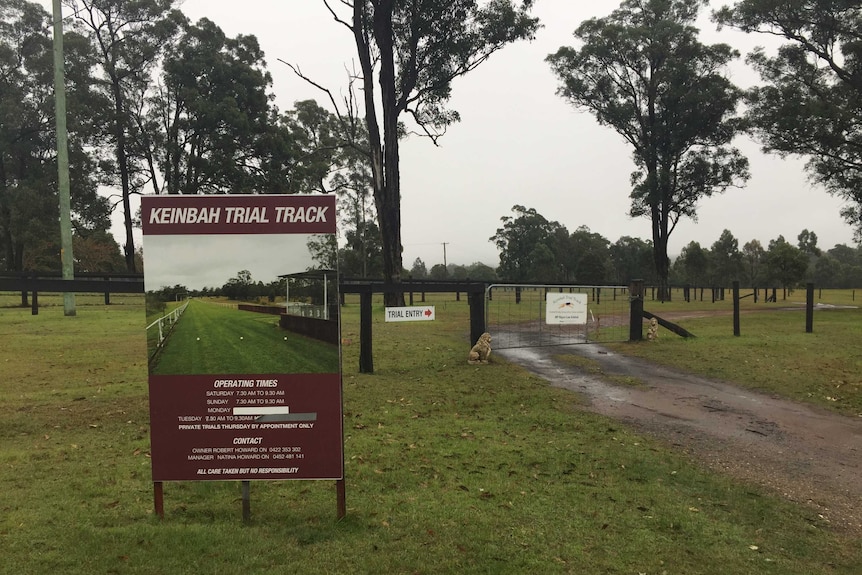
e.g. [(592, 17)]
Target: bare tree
[(409, 52)]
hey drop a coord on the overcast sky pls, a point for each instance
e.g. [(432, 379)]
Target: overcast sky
[(519, 143), (199, 261)]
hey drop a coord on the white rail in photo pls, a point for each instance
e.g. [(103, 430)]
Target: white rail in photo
[(166, 322)]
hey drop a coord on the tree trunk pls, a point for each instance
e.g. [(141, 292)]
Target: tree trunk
[(389, 206), (147, 151), (384, 157), (658, 215), (122, 163)]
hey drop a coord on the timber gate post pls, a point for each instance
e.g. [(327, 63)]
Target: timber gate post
[(636, 294), (736, 307), (366, 358), (476, 298)]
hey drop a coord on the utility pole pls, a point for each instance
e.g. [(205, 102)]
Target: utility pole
[(63, 161), (444, 255)]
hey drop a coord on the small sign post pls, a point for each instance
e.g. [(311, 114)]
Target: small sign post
[(423, 313)]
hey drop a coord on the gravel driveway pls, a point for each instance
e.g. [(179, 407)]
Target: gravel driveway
[(803, 453)]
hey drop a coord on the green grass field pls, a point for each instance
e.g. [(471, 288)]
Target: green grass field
[(450, 468), (772, 354), (213, 339)]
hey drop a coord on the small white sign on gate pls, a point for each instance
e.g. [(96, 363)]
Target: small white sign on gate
[(425, 313), (566, 308)]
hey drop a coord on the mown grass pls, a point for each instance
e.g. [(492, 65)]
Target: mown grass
[(773, 353), (211, 339), (450, 468)]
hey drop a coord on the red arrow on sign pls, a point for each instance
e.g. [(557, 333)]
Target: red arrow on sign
[(427, 313)]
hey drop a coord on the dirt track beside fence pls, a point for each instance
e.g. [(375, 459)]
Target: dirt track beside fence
[(802, 453)]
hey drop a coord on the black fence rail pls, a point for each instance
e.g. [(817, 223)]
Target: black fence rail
[(30, 283), (34, 283)]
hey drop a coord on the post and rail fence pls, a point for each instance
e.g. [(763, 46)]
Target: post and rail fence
[(34, 283)]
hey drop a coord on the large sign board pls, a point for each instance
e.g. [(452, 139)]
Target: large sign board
[(236, 393)]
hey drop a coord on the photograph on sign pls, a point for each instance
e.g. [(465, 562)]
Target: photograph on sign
[(566, 308), (242, 337)]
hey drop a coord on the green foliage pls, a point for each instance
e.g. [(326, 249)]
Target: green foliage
[(215, 110), (810, 103), (480, 272), (323, 249), (846, 264), (418, 271), (127, 40), (808, 243), (726, 259), (438, 272), (362, 255), (409, 54), (29, 235), (752, 254), (168, 294), (692, 265), (97, 252), (533, 249), (643, 72), (528, 245), (238, 287), (317, 133), (586, 257), (631, 258), (785, 263)]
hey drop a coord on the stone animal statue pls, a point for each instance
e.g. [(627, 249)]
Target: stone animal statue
[(480, 352), (652, 332)]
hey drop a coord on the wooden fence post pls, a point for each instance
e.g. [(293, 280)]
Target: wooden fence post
[(366, 359), (809, 308), (736, 308), (476, 300), (636, 310)]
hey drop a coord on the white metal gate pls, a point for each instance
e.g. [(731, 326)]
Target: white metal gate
[(531, 315)]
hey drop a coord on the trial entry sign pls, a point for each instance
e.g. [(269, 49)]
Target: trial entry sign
[(412, 313), (214, 414)]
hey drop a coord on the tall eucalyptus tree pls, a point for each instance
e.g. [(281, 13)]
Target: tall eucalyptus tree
[(643, 72), (409, 52), (811, 102), (128, 36), (29, 234)]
